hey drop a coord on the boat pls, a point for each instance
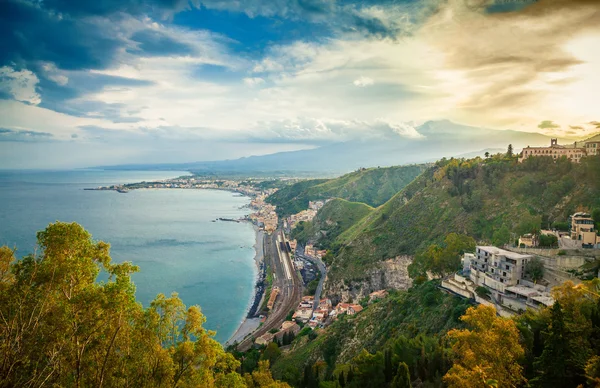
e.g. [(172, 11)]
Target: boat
[(122, 190)]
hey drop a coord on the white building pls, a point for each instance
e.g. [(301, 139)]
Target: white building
[(497, 268)]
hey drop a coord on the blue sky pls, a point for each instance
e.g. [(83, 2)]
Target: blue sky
[(107, 82)]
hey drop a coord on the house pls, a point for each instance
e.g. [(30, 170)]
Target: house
[(264, 339), (325, 304), (592, 145), (377, 295), (302, 315), (466, 261), (583, 230), (497, 268), (528, 240), (354, 309)]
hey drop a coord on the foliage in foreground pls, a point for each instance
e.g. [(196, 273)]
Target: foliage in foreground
[(60, 327)]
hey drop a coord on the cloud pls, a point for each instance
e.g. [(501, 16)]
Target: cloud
[(253, 81), (363, 82), (548, 124), (23, 135), (575, 127), (323, 131), (19, 84)]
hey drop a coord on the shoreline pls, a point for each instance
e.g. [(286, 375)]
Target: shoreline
[(250, 322)]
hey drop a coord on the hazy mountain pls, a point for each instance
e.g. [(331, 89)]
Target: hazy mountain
[(439, 139)]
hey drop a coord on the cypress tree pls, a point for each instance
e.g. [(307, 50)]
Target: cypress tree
[(387, 368), (556, 367), (402, 378), (341, 379)]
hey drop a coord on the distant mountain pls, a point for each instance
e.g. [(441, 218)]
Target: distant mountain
[(440, 139)]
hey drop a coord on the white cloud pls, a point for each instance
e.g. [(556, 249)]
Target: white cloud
[(363, 82), (254, 81), (19, 84), (54, 74)]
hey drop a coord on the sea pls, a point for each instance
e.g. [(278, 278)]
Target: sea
[(168, 233)]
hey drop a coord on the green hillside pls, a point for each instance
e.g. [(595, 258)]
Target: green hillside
[(373, 186), (408, 322), (475, 197), (337, 216)]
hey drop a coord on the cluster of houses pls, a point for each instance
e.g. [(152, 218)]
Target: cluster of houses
[(265, 216), (310, 250), (305, 215), (573, 152), (502, 274)]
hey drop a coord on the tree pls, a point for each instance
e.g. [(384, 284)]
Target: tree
[(596, 217), (509, 151), (535, 269), (444, 259), (501, 236), (59, 326), (271, 353), (529, 224), (402, 378), (262, 378), (487, 154), (554, 367), (487, 352)]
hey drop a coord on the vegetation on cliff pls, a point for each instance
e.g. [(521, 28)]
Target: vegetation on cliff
[(489, 199), (372, 186), (59, 326)]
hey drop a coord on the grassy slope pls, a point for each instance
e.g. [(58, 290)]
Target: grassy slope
[(475, 198), (335, 217), (421, 310), (372, 186)]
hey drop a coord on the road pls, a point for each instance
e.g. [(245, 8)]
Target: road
[(290, 287), (322, 268)]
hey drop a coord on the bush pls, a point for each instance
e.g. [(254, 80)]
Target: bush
[(482, 292), (561, 253)]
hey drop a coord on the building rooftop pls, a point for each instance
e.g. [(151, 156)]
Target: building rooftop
[(545, 300), (503, 252), (523, 290)]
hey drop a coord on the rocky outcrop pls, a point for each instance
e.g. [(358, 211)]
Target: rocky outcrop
[(388, 274)]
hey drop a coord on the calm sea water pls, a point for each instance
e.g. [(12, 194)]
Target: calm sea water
[(168, 233)]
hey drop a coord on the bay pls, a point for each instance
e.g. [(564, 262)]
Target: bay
[(168, 233)]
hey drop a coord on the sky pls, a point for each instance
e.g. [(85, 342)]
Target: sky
[(86, 83)]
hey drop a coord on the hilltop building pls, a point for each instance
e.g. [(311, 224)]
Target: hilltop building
[(555, 151), (583, 230), (573, 152), (497, 268)]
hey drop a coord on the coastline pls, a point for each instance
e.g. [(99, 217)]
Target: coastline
[(251, 323)]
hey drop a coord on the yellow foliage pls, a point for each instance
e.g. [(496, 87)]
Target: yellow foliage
[(486, 354)]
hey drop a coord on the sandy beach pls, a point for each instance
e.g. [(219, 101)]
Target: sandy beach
[(248, 325)]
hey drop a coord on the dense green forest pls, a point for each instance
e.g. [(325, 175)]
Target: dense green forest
[(60, 327), (488, 199), (372, 186)]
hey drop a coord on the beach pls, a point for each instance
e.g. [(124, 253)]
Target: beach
[(249, 324)]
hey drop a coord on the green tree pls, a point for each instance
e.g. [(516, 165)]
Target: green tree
[(596, 217), (548, 240), (501, 236), (535, 269), (554, 367), (402, 378), (271, 353), (509, 151), (529, 224)]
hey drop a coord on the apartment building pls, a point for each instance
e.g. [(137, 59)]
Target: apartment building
[(497, 268)]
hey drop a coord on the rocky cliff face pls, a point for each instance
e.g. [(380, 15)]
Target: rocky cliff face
[(388, 274)]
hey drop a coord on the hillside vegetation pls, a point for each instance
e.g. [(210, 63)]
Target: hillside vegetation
[(373, 186), (412, 322), (337, 216), (474, 197)]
